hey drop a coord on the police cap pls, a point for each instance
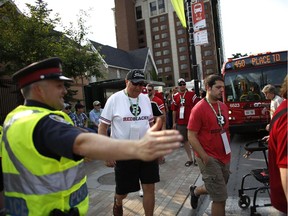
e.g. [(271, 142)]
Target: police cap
[(50, 68)]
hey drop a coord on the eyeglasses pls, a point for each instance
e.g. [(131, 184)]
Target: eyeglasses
[(138, 84), (182, 84), (149, 90)]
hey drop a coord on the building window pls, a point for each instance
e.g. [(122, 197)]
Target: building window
[(138, 12), (160, 70), (167, 69), (153, 8), (183, 57), (164, 35), (156, 37), (141, 40), (155, 29), (155, 20), (165, 43), (141, 32), (157, 45), (161, 6), (158, 53), (157, 7), (163, 27), (183, 66), (166, 52), (182, 49), (159, 61), (167, 60), (178, 23), (208, 62), (180, 31), (162, 18), (207, 53), (181, 40)]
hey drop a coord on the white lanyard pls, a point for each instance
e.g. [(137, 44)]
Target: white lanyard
[(218, 117), (182, 99), (134, 106)]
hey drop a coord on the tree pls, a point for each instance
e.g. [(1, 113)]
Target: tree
[(26, 38), (238, 55), (32, 37)]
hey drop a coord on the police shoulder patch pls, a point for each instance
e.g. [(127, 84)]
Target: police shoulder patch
[(58, 118)]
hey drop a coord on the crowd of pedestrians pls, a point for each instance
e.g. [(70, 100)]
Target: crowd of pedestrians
[(43, 168), (135, 142)]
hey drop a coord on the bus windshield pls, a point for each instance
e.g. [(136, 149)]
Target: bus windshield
[(246, 85)]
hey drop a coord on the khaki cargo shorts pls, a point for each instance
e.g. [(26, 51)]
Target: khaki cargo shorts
[(215, 176)]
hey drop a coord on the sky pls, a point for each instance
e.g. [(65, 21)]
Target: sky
[(248, 26)]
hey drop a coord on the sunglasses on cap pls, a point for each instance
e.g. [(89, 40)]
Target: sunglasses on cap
[(182, 84), (138, 84)]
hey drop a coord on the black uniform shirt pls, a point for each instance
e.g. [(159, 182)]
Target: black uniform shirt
[(53, 138)]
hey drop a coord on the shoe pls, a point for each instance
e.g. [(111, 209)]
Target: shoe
[(194, 198), (195, 163), (117, 210), (141, 193), (188, 163)]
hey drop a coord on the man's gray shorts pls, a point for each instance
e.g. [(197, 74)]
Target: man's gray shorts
[(215, 176)]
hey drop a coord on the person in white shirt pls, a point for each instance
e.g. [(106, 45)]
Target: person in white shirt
[(270, 93), (130, 115)]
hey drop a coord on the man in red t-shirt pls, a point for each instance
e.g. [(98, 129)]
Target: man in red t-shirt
[(208, 132), (183, 102), (158, 107), (277, 153)]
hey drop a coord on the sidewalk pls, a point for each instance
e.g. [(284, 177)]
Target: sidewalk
[(171, 192)]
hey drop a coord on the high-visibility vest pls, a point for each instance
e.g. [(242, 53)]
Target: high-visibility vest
[(35, 184)]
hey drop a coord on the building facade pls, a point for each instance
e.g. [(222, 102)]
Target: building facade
[(154, 24)]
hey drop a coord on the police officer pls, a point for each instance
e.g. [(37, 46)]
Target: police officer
[(42, 152)]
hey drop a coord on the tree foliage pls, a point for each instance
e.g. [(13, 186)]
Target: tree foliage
[(238, 55), (26, 38)]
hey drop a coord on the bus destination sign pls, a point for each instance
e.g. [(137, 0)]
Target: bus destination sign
[(259, 60)]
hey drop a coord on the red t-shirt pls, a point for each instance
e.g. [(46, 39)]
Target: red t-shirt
[(203, 121), (157, 106), (189, 99), (277, 155)]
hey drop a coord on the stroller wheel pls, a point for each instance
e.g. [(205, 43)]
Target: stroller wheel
[(244, 201)]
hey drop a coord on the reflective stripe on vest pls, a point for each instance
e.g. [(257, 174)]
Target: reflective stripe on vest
[(45, 184)]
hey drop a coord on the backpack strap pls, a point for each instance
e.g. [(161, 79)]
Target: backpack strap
[(278, 115)]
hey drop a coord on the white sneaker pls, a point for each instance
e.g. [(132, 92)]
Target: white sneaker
[(141, 193)]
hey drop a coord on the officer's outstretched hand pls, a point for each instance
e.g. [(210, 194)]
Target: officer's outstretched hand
[(158, 143)]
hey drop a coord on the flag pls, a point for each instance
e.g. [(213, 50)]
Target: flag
[(179, 9)]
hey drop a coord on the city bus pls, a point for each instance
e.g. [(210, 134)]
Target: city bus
[(244, 79)]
